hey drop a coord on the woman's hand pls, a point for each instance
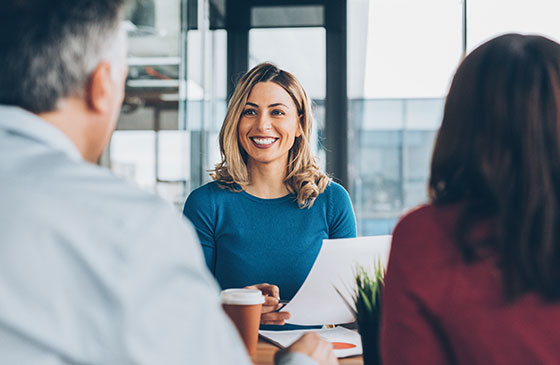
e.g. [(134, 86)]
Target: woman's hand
[(271, 304)]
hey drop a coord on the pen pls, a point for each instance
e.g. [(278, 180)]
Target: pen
[(282, 304)]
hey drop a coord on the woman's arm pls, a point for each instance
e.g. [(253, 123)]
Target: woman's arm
[(200, 211)]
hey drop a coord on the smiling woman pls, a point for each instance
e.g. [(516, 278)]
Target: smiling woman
[(266, 214), (275, 99), (267, 131)]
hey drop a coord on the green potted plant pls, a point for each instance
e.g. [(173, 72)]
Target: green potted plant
[(367, 295)]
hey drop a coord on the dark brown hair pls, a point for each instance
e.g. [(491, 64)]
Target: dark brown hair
[(498, 154)]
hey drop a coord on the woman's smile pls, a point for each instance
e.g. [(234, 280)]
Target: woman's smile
[(263, 142)]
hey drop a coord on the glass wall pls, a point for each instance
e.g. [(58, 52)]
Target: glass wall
[(401, 55), (148, 147), (406, 54), (411, 52), (166, 138), (206, 105)]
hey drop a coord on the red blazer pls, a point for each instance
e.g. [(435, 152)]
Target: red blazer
[(439, 310)]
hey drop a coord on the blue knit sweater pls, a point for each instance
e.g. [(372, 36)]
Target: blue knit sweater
[(248, 240)]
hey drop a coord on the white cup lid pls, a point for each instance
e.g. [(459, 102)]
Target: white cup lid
[(242, 296)]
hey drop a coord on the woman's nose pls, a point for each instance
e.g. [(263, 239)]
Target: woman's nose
[(263, 122)]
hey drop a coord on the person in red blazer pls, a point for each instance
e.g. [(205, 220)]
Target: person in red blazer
[(474, 276)]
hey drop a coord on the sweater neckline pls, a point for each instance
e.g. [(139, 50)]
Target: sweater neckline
[(289, 196)]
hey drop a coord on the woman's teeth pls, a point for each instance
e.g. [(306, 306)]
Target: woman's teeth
[(263, 141)]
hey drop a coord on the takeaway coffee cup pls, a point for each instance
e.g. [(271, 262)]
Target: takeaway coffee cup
[(244, 306)]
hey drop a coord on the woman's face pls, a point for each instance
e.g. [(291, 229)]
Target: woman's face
[(269, 125)]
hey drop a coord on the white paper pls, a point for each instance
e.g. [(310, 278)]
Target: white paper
[(317, 301), (338, 334)]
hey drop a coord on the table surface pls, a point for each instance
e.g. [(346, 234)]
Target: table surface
[(266, 351)]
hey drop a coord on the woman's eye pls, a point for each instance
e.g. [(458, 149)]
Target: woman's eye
[(249, 112), (278, 112)]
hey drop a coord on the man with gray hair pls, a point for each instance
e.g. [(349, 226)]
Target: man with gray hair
[(92, 270)]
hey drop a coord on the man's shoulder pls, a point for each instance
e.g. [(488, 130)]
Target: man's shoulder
[(81, 191), (118, 197), (84, 206), (99, 183)]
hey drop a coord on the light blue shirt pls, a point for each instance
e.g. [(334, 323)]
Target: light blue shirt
[(95, 271)]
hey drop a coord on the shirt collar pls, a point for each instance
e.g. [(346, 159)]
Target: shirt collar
[(17, 120)]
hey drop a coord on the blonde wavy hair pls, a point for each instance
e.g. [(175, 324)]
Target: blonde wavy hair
[(303, 176)]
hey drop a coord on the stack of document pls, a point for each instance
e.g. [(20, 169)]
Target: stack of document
[(345, 342)]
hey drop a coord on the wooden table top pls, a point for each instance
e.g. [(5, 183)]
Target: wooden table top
[(266, 351)]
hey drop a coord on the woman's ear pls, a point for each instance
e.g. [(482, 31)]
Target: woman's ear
[(299, 131)]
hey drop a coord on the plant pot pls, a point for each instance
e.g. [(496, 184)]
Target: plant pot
[(369, 333)]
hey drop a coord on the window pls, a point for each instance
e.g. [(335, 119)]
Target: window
[(401, 56)]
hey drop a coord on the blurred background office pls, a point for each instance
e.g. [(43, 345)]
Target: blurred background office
[(377, 71)]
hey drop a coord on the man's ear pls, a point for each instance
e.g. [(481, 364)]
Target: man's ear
[(99, 90)]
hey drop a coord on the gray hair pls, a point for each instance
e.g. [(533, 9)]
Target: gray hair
[(49, 49)]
